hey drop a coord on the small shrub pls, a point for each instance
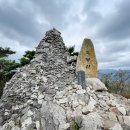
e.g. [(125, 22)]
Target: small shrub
[(74, 125)]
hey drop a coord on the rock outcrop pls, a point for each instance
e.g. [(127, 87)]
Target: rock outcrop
[(44, 95)]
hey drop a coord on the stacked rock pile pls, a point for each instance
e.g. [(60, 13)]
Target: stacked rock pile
[(47, 73), (44, 96)]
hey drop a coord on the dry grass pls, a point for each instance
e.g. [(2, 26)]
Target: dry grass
[(126, 94)]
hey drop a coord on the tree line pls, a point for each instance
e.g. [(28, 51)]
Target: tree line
[(118, 82)]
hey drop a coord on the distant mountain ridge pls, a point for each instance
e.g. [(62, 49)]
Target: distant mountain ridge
[(106, 71), (110, 71)]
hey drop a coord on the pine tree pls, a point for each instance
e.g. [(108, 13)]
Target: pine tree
[(6, 67), (27, 57)]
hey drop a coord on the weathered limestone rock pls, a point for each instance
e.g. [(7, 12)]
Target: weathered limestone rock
[(108, 124), (117, 126), (95, 84), (126, 120), (91, 121), (53, 116), (122, 110), (86, 60)]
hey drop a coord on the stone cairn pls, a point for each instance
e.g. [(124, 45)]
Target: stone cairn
[(44, 95)]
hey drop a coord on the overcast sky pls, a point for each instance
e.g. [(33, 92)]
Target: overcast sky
[(23, 24)]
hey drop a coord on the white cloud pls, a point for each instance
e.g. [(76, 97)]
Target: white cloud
[(15, 46), (23, 24)]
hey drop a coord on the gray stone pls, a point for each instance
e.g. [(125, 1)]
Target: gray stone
[(65, 126), (95, 84), (63, 100), (122, 110), (6, 127), (120, 119), (41, 96), (126, 120), (125, 127), (53, 114), (80, 91), (90, 106), (117, 126), (71, 59), (26, 123), (59, 94), (38, 127), (112, 116), (77, 111), (108, 124), (33, 96), (30, 113), (91, 121), (40, 101)]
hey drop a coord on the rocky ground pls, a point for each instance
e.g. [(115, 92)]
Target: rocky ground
[(44, 95), (94, 108)]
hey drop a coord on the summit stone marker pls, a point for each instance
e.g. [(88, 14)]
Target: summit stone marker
[(86, 60)]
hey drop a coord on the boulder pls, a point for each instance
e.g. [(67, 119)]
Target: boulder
[(53, 116), (117, 126), (95, 84), (126, 120), (91, 121)]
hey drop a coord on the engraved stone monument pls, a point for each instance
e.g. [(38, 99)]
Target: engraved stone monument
[(86, 60)]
